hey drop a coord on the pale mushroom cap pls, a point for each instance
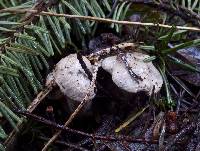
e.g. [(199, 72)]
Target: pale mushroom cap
[(121, 77), (72, 79)]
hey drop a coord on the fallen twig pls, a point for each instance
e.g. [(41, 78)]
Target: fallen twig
[(98, 19), (97, 137)]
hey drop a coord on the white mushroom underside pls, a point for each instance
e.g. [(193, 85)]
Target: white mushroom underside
[(121, 77), (72, 79)]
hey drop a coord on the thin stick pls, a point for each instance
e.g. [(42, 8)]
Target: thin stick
[(41, 96), (98, 19), (81, 105), (77, 132)]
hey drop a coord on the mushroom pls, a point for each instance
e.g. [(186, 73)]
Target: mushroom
[(72, 80), (150, 76)]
